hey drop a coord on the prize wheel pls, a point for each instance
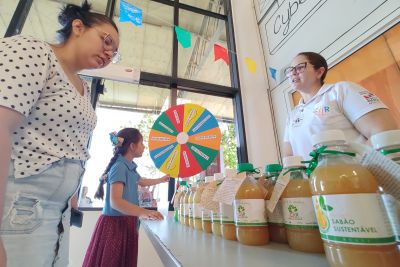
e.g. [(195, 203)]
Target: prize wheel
[(184, 140)]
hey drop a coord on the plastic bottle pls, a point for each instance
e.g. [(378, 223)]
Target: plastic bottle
[(249, 207), (205, 213), (351, 217), (228, 228), (177, 202), (186, 206), (185, 188), (298, 211), (196, 208), (216, 216), (276, 225), (193, 190), (388, 144)]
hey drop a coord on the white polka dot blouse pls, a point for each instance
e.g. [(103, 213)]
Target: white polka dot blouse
[(58, 119)]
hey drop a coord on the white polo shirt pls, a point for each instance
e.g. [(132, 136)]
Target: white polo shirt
[(58, 120), (335, 106)]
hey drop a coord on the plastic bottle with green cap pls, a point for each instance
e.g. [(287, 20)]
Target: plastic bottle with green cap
[(206, 213), (193, 190), (177, 200), (276, 226), (352, 221), (216, 215), (196, 208), (186, 206), (388, 144), (184, 188), (249, 210), (298, 210)]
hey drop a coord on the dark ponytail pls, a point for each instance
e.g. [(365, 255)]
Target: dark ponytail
[(71, 12), (130, 135)]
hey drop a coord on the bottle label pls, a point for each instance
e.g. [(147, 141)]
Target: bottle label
[(250, 212), (190, 210), (353, 219), (275, 217), (216, 217), (298, 212), (186, 209), (196, 211), (205, 215), (226, 213)]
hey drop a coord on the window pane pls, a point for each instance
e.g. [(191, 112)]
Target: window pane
[(222, 109), (141, 110), (7, 11), (197, 62), (148, 47), (216, 6), (42, 20)]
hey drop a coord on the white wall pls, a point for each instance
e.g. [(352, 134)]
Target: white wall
[(259, 126), (80, 238)]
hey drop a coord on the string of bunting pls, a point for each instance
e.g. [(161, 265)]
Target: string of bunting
[(130, 13)]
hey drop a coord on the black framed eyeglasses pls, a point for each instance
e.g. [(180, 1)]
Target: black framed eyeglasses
[(299, 68), (108, 44)]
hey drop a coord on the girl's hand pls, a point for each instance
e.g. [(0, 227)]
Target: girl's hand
[(152, 215), (165, 178)]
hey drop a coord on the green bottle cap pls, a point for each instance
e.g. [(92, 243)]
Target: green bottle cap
[(244, 167), (273, 168)]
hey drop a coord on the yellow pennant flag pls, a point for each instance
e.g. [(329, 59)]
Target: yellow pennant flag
[(251, 65)]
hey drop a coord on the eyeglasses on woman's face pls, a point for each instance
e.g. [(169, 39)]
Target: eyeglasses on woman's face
[(299, 68), (109, 45)]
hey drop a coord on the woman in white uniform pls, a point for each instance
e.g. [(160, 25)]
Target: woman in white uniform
[(343, 105)]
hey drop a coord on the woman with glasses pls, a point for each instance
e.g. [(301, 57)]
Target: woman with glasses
[(46, 119), (343, 105)]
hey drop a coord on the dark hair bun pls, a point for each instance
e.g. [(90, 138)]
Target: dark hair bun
[(71, 12)]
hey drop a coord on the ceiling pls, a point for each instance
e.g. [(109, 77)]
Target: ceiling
[(148, 48)]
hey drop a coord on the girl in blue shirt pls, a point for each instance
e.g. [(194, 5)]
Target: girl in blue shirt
[(115, 238)]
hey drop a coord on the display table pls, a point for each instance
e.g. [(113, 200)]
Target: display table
[(179, 245)]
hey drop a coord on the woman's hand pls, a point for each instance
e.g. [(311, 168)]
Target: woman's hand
[(152, 215)]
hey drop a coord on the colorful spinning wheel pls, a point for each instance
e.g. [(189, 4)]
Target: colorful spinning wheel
[(184, 140)]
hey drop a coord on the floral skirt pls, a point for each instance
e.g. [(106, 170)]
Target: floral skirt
[(114, 243)]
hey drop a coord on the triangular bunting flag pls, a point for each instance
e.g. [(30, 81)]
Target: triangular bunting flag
[(221, 52), (130, 13), (251, 65), (183, 37), (273, 73)]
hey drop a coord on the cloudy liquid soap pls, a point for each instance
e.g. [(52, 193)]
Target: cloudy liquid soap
[(197, 223), (249, 207), (351, 217), (205, 213), (298, 211), (276, 226)]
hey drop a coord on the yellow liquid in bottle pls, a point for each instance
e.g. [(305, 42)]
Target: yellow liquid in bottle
[(252, 234), (228, 228), (306, 240), (197, 222), (206, 226), (277, 231), (190, 217), (351, 179), (216, 224), (180, 206), (186, 208)]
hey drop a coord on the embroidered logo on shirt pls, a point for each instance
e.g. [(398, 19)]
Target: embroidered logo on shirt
[(369, 97), (323, 110), (298, 119)]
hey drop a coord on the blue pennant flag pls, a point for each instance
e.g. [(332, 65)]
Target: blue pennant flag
[(273, 73), (130, 13)]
